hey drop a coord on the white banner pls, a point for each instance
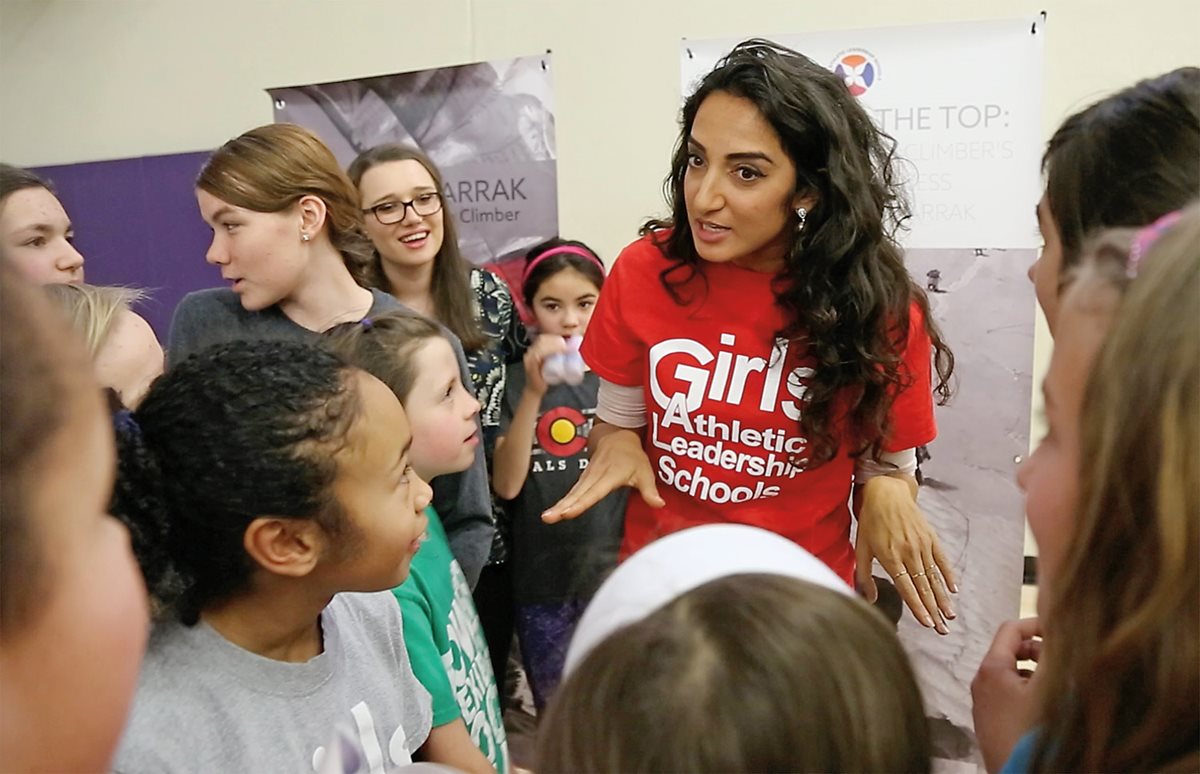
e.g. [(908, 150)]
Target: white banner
[(964, 103)]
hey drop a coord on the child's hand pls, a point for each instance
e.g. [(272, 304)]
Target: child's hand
[(544, 346), (1003, 694)]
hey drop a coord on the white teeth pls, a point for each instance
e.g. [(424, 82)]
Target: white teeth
[(713, 227), (415, 237)]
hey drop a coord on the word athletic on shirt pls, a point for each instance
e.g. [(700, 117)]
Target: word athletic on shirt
[(699, 374)]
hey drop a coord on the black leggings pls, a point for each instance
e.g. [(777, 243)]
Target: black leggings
[(494, 603)]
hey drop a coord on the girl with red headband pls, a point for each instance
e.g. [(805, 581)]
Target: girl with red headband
[(545, 419)]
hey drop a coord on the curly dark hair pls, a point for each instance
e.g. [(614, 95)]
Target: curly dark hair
[(1127, 160), (843, 288), (234, 432), (593, 270)]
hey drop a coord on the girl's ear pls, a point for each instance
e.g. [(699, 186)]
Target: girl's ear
[(313, 211), (289, 547), (806, 199)]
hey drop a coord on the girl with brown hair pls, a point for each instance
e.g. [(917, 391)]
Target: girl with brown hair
[(442, 629), (73, 611), (1123, 162), (35, 231), (1113, 498), (727, 648), (287, 236)]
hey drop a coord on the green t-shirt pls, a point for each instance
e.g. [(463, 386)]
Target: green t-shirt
[(446, 646)]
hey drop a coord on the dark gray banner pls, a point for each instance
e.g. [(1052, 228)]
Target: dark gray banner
[(489, 126)]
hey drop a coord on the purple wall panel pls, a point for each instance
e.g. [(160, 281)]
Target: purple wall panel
[(136, 223)]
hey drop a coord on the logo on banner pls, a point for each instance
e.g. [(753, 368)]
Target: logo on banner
[(858, 68), (560, 431)]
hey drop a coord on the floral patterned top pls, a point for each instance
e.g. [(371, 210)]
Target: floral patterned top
[(499, 321)]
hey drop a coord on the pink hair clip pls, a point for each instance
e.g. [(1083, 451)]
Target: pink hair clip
[(1145, 239)]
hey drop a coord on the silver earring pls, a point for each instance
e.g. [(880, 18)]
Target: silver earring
[(801, 216), (305, 237)]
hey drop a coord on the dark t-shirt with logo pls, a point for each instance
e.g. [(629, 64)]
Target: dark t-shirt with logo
[(568, 560)]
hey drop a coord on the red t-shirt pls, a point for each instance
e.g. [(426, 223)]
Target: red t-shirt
[(723, 406)]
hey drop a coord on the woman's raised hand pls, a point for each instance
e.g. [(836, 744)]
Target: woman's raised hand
[(617, 460)]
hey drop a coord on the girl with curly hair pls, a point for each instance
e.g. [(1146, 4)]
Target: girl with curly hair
[(764, 348), (270, 495)]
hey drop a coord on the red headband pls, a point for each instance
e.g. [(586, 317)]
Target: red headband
[(562, 250)]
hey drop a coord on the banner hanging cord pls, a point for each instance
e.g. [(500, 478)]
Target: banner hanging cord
[(1033, 28)]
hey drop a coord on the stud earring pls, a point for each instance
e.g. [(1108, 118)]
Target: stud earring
[(305, 237), (801, 216)]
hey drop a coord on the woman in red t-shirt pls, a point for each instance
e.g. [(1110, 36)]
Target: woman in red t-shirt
[(765, 349)]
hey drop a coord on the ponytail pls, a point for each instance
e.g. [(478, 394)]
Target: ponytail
[(139, 500)]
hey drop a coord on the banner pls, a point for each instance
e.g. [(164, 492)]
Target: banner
[(489, 127), (963, 102)]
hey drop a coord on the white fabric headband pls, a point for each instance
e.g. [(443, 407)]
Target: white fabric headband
[(680, 562)]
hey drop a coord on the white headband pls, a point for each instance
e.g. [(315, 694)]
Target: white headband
[(680, 562)]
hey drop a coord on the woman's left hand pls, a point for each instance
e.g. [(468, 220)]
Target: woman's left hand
[(892, 529)]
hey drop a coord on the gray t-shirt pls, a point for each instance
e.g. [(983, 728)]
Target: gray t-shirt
[(205, 704), (464, 500)]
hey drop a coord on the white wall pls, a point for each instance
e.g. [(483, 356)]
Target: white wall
[(85, 80)]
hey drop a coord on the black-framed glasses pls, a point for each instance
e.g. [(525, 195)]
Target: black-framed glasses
[(389, 213)]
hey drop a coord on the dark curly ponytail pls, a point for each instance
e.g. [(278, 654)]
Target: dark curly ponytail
[(235, 432)]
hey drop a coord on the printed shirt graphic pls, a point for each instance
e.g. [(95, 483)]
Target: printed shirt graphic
[(446, 645), (499, 322), (565, 561), (723, 400)]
